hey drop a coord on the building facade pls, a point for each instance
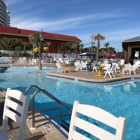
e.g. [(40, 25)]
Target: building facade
[(23, 35), (132, 46), (4, 14)]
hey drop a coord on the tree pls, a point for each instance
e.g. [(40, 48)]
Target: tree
[(98, 37), (18, 49), (26, 46), (101, 52), (112, 49), (38, 43), (93, 49), (64, 47), (4, 43), (106, 45), (81, 46)]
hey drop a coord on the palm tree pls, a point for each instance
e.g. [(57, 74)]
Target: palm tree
[(98, 37), (106, 45), (39, 42)]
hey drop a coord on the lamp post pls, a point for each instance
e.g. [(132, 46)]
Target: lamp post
[(39, 55)]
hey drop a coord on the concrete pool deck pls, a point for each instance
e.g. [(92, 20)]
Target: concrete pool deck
[(89, 76)]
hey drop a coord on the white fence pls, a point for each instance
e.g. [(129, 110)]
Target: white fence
[(51, 55)]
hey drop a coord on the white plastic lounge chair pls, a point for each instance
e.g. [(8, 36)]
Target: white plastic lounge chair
[(97, 114), (15, 103), (110, 71)]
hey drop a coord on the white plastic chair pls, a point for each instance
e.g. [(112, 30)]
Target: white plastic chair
[(78, 65), (110, 71), (133, 68), (107, 66), (97, 114), (94, 67), (60, 68), (83, 66), (117, 67), (121, 62), (15, 101), (126, 69)]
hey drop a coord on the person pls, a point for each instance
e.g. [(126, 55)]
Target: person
[(131, 60), (0, 54), (89, 65)]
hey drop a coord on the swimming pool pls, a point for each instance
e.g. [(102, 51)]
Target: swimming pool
[(120, 99)]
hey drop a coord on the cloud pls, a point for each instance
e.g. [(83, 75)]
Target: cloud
[(122, 34), (52, 25), (59, 23), (10, 2)]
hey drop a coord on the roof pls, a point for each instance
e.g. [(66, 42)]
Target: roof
[(134, 39), (24, 32)]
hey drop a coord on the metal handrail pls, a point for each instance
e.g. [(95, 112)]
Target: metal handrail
[(52, 97)]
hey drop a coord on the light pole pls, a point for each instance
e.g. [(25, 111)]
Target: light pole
[(39, 55)]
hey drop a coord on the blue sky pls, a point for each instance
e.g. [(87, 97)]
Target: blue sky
[(117, 20)]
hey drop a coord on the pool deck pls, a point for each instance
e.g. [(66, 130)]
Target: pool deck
[(40, 133), (89, 76)]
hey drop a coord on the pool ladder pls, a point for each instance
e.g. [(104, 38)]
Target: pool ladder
[(63, 123)]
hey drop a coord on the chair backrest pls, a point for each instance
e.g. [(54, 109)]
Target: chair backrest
[(67, 61), (91, 128), (122, 62), (113, 68), (105, 62), (15, 108), (83, 64), (107, 66), (127, 66), (58, 64)]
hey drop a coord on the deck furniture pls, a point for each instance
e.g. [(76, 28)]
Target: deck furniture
[(99, 68), (110, 72), (15, 108), (60, 68), (78, 65), (78, 122)]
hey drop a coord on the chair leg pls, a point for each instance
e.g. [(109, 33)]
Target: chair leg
[(109, 75), (134, 71), (105, 74)]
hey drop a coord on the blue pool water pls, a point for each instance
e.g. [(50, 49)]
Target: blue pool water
[(120, 99)]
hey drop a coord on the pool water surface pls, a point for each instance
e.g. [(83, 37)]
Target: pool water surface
[(120, 99)]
